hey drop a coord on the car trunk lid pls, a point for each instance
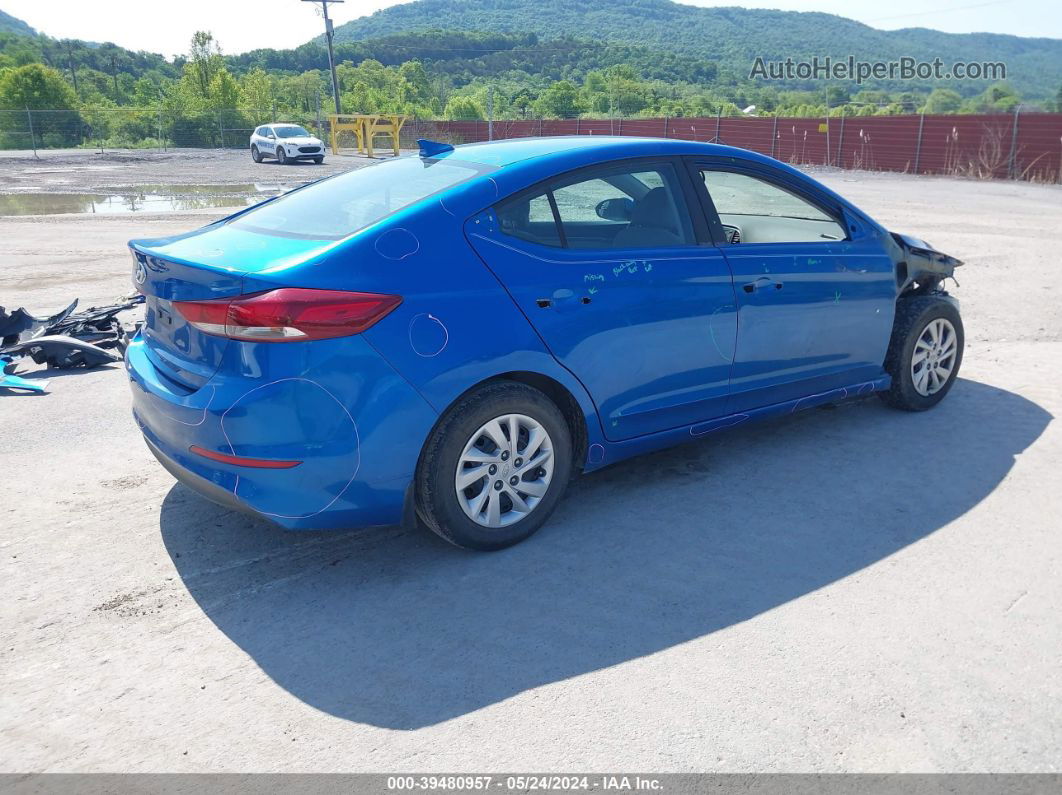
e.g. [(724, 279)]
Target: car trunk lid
[(212, 263), (180, 352)]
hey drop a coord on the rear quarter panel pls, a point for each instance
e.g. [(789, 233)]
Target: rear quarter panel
[(456, 326)]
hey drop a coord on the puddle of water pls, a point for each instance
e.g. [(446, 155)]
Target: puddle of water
[(181, 191), (137, 199), (64, 169)]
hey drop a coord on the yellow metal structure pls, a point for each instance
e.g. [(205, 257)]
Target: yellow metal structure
[(366, 128)]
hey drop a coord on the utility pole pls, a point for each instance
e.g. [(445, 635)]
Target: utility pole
[(73, 70), (490, 113), (331, 54), (114, 74), (611, 106), (827, 90)]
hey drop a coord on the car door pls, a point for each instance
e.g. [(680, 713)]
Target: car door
[(624, 287), (268, 141), (815, 288)]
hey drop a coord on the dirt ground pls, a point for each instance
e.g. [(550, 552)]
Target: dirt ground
[(58, 170), (852, 589)]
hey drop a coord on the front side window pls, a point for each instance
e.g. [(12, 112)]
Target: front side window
[(605, 208), (753, 210), (339, 206)]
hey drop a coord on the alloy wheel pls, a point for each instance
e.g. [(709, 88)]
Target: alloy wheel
[(933, 359), (504, 471)]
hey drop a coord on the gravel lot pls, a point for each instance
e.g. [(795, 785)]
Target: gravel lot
[(852, 589)]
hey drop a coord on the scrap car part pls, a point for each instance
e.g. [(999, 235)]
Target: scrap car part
[(20, 324), (18, 382), (62, 351)]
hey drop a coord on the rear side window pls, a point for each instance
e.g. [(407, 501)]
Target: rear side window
[(530, 219), (610, 207), (339, 206)]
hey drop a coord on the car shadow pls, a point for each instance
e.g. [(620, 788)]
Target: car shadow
[(399, 630)]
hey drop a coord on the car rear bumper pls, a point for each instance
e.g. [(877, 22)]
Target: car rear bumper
[(200, 485), (352, 424)]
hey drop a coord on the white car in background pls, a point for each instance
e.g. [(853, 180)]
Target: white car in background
[(287, 143)]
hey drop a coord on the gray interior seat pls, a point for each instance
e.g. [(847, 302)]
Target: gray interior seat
[(654, 222)]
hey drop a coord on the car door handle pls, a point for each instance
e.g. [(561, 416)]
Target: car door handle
[(546, 303), (763, 281)]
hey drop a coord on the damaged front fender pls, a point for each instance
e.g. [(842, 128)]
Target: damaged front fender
[(920, 268)]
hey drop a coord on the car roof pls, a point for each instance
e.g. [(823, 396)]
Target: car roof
[(515, 150)]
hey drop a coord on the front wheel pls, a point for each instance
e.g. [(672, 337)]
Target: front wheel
[(318, 160), (282, 156), (495, 467), (925, 352)]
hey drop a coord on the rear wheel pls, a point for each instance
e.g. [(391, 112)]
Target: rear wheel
[(256, 156), (495, 467), (282, 156), (925, 352)]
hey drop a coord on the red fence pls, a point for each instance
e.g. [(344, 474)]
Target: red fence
[(1018, 146)]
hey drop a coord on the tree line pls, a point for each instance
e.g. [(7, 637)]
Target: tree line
[(195, 98)]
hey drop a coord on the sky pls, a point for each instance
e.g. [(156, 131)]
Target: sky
[(166, 27)]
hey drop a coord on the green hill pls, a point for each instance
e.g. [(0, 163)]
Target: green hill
[(9, 24), (462, 57), (730, 37)]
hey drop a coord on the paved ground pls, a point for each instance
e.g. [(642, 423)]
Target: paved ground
[(853, 589)]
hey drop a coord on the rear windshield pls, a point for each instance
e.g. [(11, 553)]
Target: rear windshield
[(340, 206)]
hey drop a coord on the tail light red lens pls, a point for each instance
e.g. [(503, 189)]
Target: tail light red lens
[(289, 314)]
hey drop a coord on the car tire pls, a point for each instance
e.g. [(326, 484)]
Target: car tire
[(318, 160), (256, 156), (282, 157), (925, 352), (459, 448)]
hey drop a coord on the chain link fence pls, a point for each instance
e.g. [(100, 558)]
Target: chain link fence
[(1025, 146), (134, 128)]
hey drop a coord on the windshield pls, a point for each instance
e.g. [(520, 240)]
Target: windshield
[(339, 206), (291, 132)]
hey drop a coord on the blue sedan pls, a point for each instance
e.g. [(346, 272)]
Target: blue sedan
[(448, 338)]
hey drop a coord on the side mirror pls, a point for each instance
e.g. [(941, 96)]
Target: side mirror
[(272, 137), (615, 209)]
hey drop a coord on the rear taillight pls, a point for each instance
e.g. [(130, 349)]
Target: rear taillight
[(289, 314)]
